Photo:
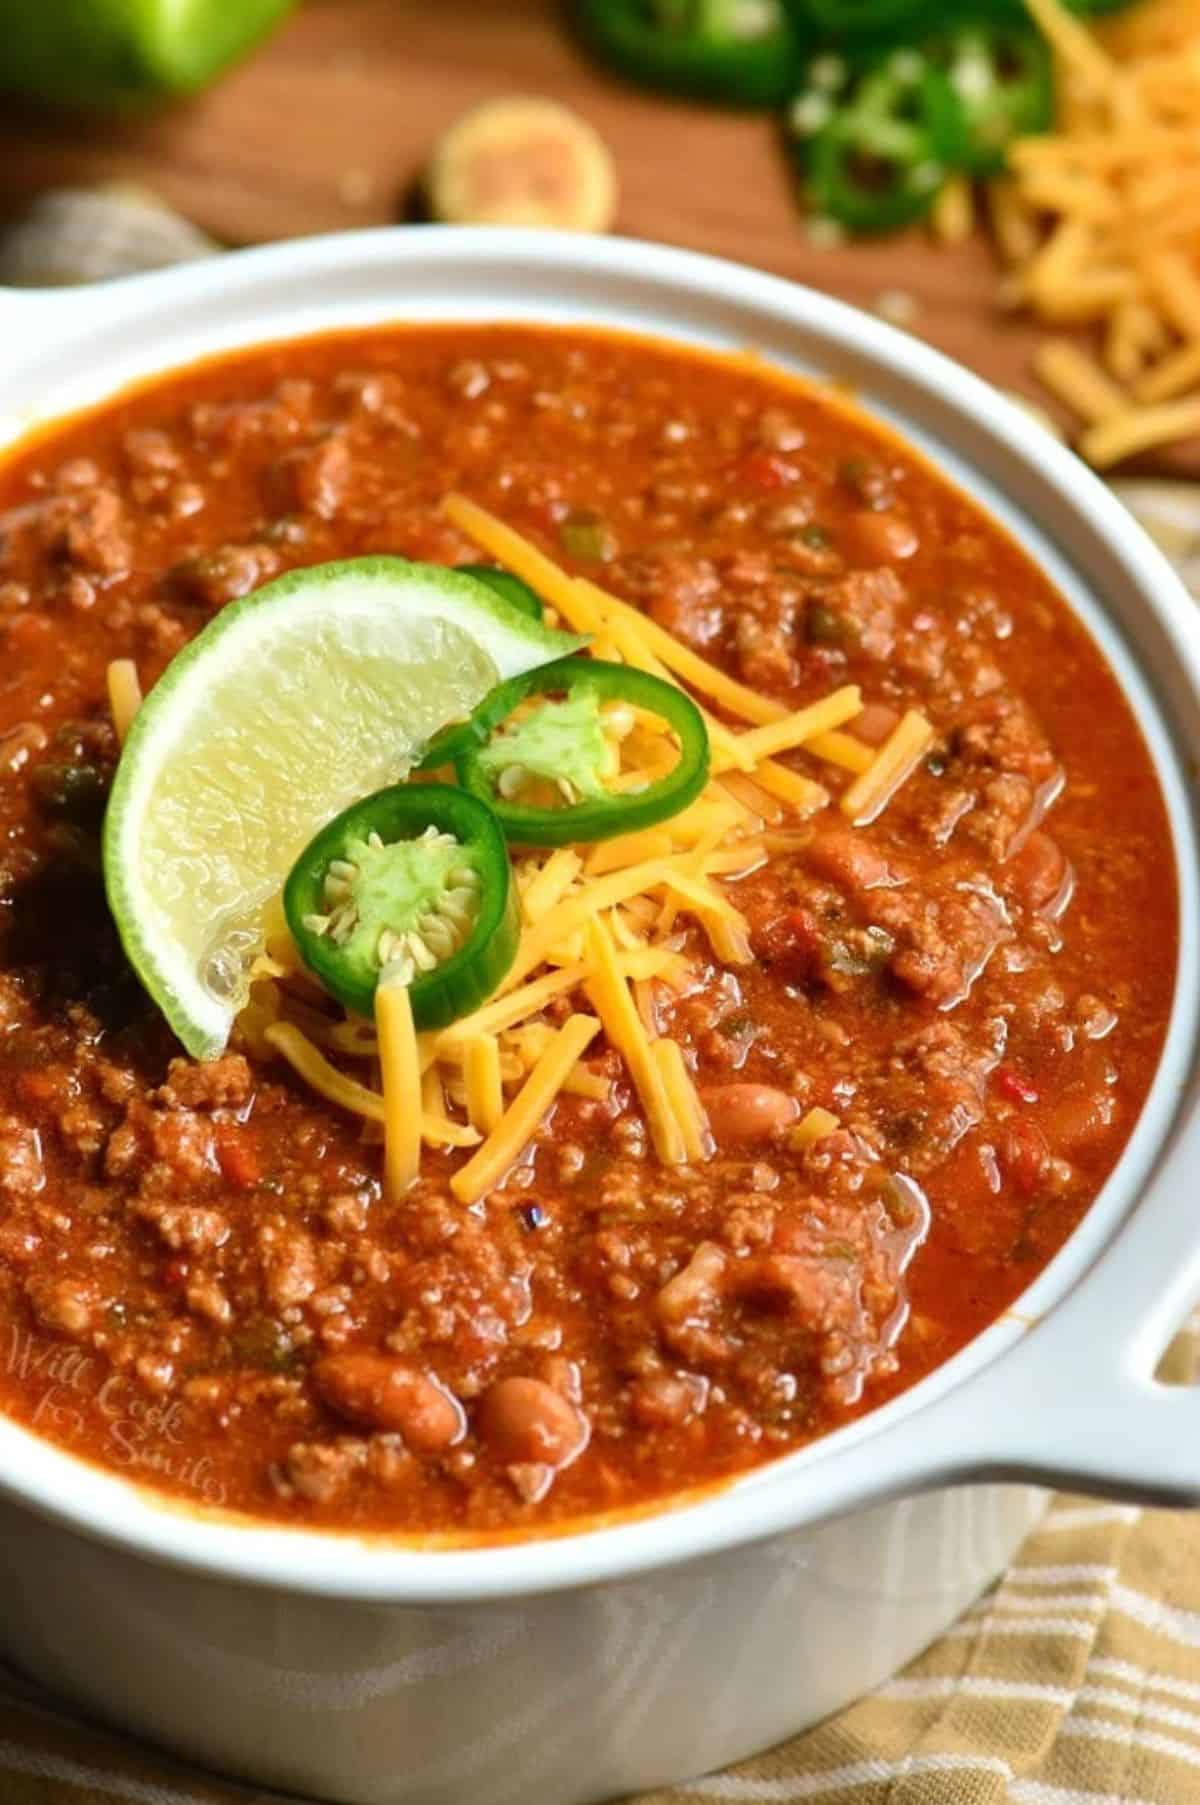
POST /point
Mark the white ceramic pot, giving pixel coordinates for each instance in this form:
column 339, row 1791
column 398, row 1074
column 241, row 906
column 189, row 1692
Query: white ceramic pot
column 592, row 1665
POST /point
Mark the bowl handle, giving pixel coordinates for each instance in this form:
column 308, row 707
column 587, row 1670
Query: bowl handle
column 1075, row 1402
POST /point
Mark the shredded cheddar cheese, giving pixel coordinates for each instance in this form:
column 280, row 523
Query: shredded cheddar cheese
column 124, row 695
column 813, row 1127
column 484, row 1088
column 1099, row 220
column 509, row 1138
column 953, row 214
column 839, row 748
column 400, row 1069
column 623, row 1025
column 792, row 730
column 894, row 763
column 601, row 920
column 357, row 1099
column 1078, row 379
column 551, row 883
column 684, row 1100
column 505, row 1011
column 629, row 849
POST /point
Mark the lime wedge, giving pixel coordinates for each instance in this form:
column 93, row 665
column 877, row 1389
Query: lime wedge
column 319, row 688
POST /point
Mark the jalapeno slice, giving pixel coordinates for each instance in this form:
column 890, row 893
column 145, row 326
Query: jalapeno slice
column 875, row 134
column 1002, row 77
column 857, row 18
column 415, row 881
column 741, row 52
column 563, row 743
column 454, row 738
column 507, row 587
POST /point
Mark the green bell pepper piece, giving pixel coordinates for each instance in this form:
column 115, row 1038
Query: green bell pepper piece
column 116, row 53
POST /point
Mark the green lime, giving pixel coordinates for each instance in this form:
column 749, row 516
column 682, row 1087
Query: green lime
column 114, row 52
column 317, row 689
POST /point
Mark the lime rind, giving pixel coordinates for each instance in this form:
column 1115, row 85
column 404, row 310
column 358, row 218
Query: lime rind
column 316, row 689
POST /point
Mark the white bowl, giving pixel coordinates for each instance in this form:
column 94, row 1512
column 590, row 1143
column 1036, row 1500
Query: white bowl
column 588, row 1665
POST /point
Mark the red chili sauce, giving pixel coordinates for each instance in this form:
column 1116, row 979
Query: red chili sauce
column 201, row 1284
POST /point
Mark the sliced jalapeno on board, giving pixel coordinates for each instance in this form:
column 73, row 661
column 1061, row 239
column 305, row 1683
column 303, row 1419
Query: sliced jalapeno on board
column 562, row 743
column 875, row 134
column 1002, row 76
column 414, row 880
column 741, row 52
column 857, row 18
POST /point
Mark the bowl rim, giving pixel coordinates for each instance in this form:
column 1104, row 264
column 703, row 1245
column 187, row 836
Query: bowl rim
column 803, row 1487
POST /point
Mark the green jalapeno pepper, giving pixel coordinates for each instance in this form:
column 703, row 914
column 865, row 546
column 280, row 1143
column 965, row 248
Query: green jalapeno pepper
column 857, row 18
column 446, row 744
column 741, row 52
column 1002, row 77
column 507, row 587
column 563, row 742
column 415, row 881
column 875, row 134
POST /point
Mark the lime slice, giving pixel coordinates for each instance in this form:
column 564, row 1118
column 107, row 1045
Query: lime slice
column 317, row 689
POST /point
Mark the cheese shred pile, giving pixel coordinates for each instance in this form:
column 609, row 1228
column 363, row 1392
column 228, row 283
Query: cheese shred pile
column 605, row 947
column 1099, row 223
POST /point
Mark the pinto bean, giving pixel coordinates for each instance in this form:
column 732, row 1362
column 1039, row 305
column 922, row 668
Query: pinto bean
column 748, row 1112
column 848, row 859
column 881, row 538
column 382, row 1393
column 696, row 1288
column 666, row 1400
column 526, row 1421
column 875, row 722
column 1077, row 1118
column 1039, row 871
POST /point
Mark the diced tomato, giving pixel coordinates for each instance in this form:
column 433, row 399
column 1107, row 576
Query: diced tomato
column 792, row 944
column 237, row 1159
column 1015, row 1086
column 766, row 470
column 175, row 1273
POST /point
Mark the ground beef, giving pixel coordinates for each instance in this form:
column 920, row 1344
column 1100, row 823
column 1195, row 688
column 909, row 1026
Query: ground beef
column 224, row 1083
column 87, row 531
column 856, row 612
column 217, row 577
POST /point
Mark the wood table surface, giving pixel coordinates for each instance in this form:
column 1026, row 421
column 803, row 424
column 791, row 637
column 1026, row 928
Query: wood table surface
column 329, row 127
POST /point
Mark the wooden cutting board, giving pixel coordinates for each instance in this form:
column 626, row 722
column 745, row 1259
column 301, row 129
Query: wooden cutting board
column 330, row 125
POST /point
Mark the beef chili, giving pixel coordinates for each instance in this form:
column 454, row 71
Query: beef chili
column 913, row 1077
